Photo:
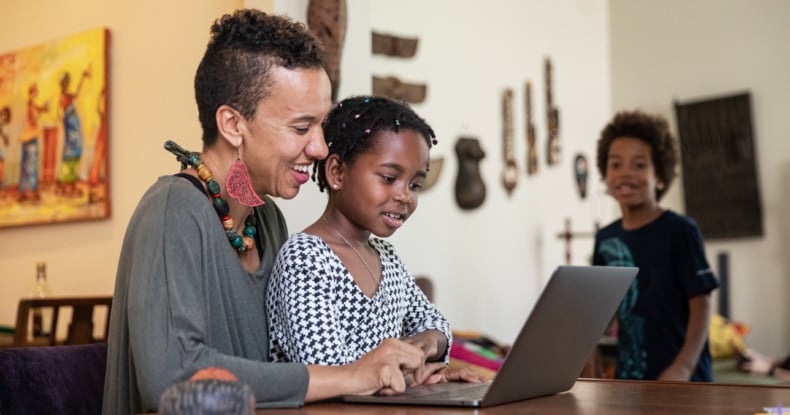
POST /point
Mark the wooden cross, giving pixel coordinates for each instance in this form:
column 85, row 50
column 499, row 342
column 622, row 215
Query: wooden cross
column 568, row 236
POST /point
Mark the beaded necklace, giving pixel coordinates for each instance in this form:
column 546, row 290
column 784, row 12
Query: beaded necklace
column 241, row 243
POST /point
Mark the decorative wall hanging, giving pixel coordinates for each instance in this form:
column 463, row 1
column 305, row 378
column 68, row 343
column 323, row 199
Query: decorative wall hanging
column 720, row 182
column 327, row 20
column 394, row 88
column 396, row 46
column 470, row 191
column 532, row 150
column 391, row 86
column 567, row 235
column 510, row 170
column 580, row 171
column 434, row 171
column 54, row 128
column 552, row 120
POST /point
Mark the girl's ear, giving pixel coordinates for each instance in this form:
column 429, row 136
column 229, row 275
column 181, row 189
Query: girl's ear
column 334, row 169
column 230, row 125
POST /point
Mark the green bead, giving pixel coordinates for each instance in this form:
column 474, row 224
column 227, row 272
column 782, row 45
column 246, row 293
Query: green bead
column 213, row 187
column 235, row 240
column 220, row 206
column 250, row 221
column 250, row 231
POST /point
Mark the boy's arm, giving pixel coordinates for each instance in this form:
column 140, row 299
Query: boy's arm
column 696, row 333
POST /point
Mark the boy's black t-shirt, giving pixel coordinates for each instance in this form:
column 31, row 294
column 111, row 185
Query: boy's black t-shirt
column 653, row 315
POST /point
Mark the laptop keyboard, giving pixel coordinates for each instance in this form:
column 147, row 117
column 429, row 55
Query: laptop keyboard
column 450, row 390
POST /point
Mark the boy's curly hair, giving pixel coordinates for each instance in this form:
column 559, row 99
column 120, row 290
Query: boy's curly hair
column 236, row 67
column 653, row 130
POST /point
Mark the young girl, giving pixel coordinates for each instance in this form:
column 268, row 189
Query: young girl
column 336, row 292
column 663, row 319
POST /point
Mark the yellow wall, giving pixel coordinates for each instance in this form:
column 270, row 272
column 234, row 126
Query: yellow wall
column 155, row 47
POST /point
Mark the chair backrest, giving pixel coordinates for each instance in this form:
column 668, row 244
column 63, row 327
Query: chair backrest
column 53, row 379
column 80, row 329
column 425, row 284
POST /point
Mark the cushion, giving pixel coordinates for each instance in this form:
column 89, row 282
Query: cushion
column 52, row 379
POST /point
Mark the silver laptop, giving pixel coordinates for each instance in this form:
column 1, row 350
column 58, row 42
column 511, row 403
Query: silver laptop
column 555, row 342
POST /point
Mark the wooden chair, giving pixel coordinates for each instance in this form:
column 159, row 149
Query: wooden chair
column 425, row 284
column 80, row 329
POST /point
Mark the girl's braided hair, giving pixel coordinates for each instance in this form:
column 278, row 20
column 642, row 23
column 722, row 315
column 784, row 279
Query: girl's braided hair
column 354, row 124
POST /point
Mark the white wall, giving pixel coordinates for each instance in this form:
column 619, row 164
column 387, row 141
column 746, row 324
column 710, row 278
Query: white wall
column 681, row 50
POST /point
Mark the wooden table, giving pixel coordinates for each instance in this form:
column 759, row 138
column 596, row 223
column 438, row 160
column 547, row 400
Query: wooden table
column 593, row 397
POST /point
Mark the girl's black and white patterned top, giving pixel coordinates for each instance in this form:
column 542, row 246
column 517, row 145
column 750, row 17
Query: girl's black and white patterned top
column 318, row 314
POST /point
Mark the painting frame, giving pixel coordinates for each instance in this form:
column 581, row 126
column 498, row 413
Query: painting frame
column 54, row 131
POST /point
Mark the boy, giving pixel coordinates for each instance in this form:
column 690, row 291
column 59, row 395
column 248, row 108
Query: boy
column 663, row 318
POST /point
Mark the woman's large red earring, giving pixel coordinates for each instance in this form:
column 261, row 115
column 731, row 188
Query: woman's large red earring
column 239, row 185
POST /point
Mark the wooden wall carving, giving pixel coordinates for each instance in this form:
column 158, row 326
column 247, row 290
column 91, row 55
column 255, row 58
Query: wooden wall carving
column 721, row 185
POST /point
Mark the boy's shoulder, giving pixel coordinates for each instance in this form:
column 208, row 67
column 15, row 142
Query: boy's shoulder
column 667, row 219
column 678, row 221
column 613, row 228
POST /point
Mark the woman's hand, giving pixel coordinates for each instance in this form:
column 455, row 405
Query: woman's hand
column 384, row 370
column 432, row 342
column 438, row 372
